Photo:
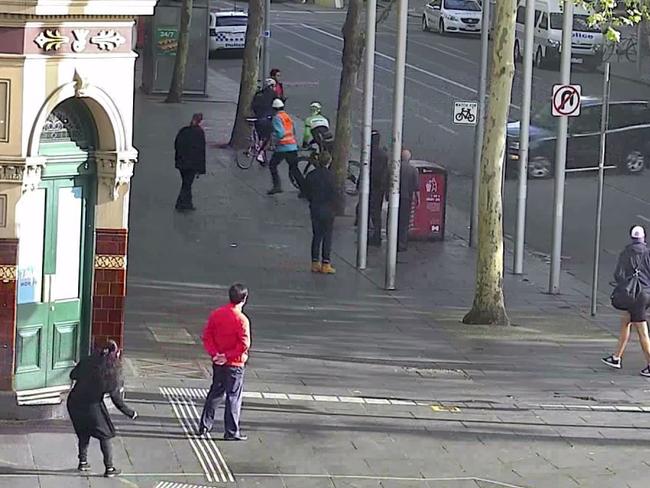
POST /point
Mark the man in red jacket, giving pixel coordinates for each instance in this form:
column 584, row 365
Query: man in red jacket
column 226, row 339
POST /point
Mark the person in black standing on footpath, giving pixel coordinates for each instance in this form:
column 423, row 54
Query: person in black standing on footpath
column 95, row 376
column 378, row 186
column 408, row 191
column 320, row 190
column 632, row 297
column 190, row 159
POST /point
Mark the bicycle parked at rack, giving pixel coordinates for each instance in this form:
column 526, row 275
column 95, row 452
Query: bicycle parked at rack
column 625, row 48
column 245, row 158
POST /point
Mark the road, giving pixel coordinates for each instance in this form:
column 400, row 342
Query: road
column 307, row 46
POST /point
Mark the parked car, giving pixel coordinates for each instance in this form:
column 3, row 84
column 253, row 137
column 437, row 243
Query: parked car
column 628, row 139
column 227, row 30
column 452, row 16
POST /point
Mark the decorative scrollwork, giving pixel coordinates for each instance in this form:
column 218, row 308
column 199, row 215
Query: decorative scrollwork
column 66, row 123
column 51, row 39
column 107, row 40
column 81, row 39
column 7, row 273
column 105, row 261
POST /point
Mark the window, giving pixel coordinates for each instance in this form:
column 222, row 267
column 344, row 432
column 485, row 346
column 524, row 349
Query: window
column 521, row 15
column 538, row 14
column 236, row 20
column 436, row 4
column 588, row 122
column 467, row 5
column 580, row 23
column 543, row 24
column 628, row 114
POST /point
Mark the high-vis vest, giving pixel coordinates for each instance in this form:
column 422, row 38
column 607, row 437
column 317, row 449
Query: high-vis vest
column 288, row 138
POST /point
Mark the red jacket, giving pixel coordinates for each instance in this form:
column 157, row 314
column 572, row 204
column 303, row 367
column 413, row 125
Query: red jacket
column 228, row 332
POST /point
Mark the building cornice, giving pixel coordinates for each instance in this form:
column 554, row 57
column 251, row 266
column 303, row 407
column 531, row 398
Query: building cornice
column 85, row 8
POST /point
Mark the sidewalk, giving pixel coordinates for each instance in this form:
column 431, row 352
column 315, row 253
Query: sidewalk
column 348, row 385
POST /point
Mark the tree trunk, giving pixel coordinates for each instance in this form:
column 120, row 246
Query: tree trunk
column 488, row 307
column 353, row 43
column 249, row 72
column 175, row 94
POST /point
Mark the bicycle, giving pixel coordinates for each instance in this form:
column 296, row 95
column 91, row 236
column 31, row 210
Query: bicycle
column 465, row 113
column 308, row 159
column 626, row 47
column 245, row 158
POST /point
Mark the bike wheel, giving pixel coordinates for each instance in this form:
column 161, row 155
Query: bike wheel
column 608, row 51
column 305, row 165
column 630, row 52
column 244, row 158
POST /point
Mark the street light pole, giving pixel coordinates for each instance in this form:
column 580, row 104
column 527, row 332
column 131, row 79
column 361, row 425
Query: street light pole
column 524, row 130
column 369, row 78
column 480, row 125
column 396, row 156
column 266, row 41
column 560, row 153
column 604, row 121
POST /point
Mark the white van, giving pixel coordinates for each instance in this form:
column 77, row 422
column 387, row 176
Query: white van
column 587, row 42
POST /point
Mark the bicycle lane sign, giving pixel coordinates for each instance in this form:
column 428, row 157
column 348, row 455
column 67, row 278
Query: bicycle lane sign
column 566, row 100
column 465, row 113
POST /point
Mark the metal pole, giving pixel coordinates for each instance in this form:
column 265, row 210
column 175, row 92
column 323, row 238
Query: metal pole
column 480, row 125
column 266, row 41
column 396, row 156
column 520, row 229
column 604, row 120
column 639, row 47
column 560, row 153
column 369, row 78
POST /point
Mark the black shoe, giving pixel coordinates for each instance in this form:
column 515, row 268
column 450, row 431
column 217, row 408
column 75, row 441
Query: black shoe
column 645, row 371
column 235, row 437
column 184, row 208
column 83, row 466
column 612, row 362
column 203, row 431
column 274, row 190
column 112, row 472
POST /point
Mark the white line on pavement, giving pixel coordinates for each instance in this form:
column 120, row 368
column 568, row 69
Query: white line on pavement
column 299, row 62
column 643, row 218
column 313, row 58
column 447, row 129
column 413, row 67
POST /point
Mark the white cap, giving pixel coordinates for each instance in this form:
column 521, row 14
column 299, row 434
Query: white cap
column 277, row 103
column 637, row 232
column 269, row 82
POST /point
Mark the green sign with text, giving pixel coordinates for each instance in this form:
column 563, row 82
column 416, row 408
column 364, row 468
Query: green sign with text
column 166, row 41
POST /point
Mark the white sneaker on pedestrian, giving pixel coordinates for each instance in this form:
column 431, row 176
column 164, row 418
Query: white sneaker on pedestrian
column 613, row 362
column 645, row 371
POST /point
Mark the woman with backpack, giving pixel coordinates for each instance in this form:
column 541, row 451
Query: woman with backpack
column 632, row 295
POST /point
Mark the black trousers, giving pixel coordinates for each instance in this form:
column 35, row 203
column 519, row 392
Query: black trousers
column 105, row 445
column 184, row 200
column 321, row 242
column 292, row 160
column 228, row 380
column 374, row 212
column 404, row 221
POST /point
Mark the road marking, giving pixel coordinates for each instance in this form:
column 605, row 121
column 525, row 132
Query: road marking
column 313, row 58
column 447, row 129
column 643, row 218
column 173, row 484
column 413, row 67
column 299, row 62
column 210, row 458
column 440, row 408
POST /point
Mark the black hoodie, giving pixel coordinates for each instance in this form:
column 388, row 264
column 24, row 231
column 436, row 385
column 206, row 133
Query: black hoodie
column 635, row 256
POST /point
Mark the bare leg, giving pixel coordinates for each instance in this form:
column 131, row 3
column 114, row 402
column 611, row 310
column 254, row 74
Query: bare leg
column 642, row 330
column 624, row 335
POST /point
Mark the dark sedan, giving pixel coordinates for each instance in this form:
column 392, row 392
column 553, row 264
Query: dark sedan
column 628, row 139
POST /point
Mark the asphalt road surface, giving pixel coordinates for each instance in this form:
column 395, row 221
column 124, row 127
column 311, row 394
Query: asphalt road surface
column 306, row 46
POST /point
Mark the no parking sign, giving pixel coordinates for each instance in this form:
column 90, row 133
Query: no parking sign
column 566, row 100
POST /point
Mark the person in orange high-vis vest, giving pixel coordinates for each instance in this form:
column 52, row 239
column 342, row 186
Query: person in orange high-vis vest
column 286, row 148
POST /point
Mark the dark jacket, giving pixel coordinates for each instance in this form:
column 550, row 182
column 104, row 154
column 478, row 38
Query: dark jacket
column 86, row 406
column 190, row 149
column 378, row 170
column 262, row 105
column 409, row 181
column 634, row 256
column 320, row 189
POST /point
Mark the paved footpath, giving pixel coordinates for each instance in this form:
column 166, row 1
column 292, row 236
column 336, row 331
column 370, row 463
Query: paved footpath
column 348, row 385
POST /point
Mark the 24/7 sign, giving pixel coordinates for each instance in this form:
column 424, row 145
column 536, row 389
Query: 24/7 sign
column 566, row 100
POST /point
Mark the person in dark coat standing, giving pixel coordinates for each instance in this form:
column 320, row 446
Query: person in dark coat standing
column 378, row 186
column 408, row 191
column 95, row 376
column 190, row 159
column 320, row 190
column 633, row 261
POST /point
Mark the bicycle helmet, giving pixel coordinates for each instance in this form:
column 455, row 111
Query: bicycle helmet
column 315, row 108
column 278, row 104
column 269, row 82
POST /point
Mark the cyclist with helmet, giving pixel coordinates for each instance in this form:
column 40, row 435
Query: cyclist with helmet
column 317, row 129
column 262, row 107
column 286, row 148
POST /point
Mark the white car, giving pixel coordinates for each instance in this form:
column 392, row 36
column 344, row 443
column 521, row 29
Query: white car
column 452, row 16
column 227, row 30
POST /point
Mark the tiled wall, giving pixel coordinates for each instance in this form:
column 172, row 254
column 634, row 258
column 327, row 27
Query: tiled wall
column 8, row 259
column 109, row 287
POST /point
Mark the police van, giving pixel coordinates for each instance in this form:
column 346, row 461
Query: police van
column 227, row 29
column 587, row 41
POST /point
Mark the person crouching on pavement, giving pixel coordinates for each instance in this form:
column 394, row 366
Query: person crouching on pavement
column 286, row 148
column 633, row 264
column 190, row 159
column 227, row 340
column 95, row 376
column 320, row 190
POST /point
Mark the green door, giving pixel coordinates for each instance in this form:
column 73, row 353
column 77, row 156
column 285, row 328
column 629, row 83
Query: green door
column 50, row 290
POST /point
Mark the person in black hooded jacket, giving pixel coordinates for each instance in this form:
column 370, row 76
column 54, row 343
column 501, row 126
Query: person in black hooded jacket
column 190, row 159
column 634, row 260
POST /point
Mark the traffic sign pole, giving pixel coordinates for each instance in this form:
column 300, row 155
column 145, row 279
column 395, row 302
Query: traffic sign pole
column 266, row 42
column 560, row 153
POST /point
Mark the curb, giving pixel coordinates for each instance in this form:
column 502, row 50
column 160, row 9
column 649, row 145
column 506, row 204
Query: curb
column 632, row 78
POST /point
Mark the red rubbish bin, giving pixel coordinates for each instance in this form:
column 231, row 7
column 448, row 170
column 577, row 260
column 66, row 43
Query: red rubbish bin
column 428, row 218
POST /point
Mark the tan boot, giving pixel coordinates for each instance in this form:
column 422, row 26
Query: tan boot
column 327, row 269
column 316, row 267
